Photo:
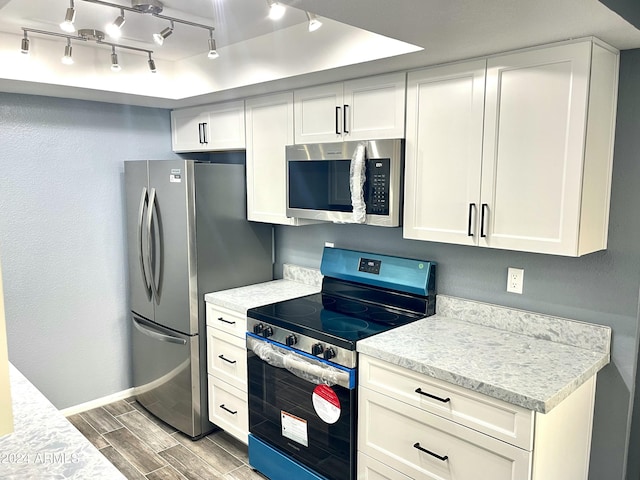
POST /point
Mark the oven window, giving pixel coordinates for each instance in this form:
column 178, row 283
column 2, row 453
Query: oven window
column 279, row 400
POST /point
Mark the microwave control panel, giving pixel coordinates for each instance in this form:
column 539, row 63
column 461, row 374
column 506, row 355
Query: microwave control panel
column 377, row 186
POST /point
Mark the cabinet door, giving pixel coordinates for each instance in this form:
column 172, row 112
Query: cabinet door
column 535, row 124
column 373, row 107
column 226, row 126
column 189, row 130
column 319, row 114
column 269, row 122
column 444, row 153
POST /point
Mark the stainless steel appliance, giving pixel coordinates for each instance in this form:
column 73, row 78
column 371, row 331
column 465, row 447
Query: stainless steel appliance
column 187, row 235
column 346, row 182
column 302, row 361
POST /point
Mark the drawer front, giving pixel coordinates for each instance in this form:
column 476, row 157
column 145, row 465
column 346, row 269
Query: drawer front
column 226, row 320
column 370, row 469
column 227, row 358
column 228, row 408
column 426, row 446
column 499, row 419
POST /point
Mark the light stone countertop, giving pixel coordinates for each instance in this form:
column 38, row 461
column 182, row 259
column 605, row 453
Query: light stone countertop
column 44, row 444
column 523, row 365
column 298, row 282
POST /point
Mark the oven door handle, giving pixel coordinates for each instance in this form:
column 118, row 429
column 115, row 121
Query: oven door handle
column 310, row 369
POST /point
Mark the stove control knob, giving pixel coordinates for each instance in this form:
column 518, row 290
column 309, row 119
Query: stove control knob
column 258, row 329
column 291, row 340
column 329, row 353
column 267, row 332
column 317, row 349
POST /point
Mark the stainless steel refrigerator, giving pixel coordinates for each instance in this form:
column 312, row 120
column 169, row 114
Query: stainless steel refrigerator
column 187, row 235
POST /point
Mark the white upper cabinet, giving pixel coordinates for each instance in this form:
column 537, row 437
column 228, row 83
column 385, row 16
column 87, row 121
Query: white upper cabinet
column 363, row 109
column 208, row 128
column 517, row 155
column 269, row 127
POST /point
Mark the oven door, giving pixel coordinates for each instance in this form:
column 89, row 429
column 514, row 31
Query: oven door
column 303, row 407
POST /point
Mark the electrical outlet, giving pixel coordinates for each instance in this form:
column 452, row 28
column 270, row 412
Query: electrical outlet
column 515, row 279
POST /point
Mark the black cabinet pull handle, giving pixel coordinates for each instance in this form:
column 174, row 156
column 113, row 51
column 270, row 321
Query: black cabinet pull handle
column 472, row 207
column 222, row 357
column 226, row 321
column 417, row 445
column 344, row 119
column 337, row 120
column 440, row 399
column 483, row 234
column 232, row 412
column 204, row 133
column 200, row 133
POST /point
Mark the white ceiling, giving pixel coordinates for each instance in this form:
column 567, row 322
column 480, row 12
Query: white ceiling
column 447, row 30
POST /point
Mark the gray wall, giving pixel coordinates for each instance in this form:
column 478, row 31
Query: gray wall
column 600, row 288
column 62, row 238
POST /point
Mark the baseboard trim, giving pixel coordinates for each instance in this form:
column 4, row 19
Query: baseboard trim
column 98, row 402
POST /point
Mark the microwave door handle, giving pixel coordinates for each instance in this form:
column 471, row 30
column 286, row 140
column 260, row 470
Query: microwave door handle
column 151, row 244
column 144, row 204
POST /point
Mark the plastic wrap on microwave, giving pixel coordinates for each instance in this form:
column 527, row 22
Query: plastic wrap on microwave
column 311, row 370
column 357, row 177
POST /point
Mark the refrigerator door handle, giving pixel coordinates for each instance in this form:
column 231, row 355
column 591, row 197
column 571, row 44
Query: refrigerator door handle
column 144, row 202
column 148, row 331
column 151, row 243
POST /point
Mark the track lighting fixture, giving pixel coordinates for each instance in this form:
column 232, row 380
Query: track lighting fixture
column 115, row 66
column 24, row 46
column 276, row 10
column 213, row 51
column 160, row 37
column 70, row 17
column 114, row 30
column 152, row 64
column 314, row 23
column 67, row 59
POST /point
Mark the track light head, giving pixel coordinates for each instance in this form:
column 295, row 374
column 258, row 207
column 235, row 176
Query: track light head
column 115, row 66
column 276, row 10
column 114, row 30
column 67, row 59
column 314, row 23
column 152, row 64
column 160, row 37
column 24, row 46
column 213, row 51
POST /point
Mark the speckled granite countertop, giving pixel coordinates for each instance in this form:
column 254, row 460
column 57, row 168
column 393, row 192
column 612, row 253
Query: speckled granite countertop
column 297, row 282
column 44, row 445
column 534, row 361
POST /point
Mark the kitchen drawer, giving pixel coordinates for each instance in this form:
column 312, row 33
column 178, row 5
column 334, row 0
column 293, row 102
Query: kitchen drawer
column 399, row 435
column 494, row 417
column 228, row 409
column 370, row 469
column 227, row 358
column 226, row 320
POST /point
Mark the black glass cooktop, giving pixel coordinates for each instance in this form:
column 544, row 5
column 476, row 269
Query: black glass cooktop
column 333, row 319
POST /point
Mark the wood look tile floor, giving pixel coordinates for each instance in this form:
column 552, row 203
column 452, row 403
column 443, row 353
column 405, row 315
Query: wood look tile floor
column 145, row 448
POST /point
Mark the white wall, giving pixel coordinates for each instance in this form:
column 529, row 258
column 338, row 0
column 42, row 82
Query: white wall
column 6, row 413
column 62, row 238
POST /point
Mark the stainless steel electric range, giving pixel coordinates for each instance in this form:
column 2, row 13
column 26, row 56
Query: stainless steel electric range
column 302, row 361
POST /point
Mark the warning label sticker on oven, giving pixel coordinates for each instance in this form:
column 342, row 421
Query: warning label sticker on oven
column 326, row 403
column 294, row 428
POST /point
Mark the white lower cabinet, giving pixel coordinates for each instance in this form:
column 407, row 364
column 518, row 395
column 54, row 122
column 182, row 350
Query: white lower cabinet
column 227, row 371
column 420, row 428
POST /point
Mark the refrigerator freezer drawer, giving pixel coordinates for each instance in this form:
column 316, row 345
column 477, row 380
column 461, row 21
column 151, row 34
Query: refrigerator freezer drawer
column 166, row 375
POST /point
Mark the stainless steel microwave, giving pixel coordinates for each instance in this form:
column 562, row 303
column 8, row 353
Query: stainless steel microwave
column 321, row 182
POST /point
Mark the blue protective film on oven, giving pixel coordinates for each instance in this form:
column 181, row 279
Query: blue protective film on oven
column 350, row 371
column 277, row 465
column 385, row 271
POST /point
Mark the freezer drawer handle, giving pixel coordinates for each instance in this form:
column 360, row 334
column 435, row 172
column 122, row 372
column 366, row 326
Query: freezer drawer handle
column 222, row 357
column 232, row 412
column 440, row 399
column 417, row 445
column 222, row 319
column 157, row 335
